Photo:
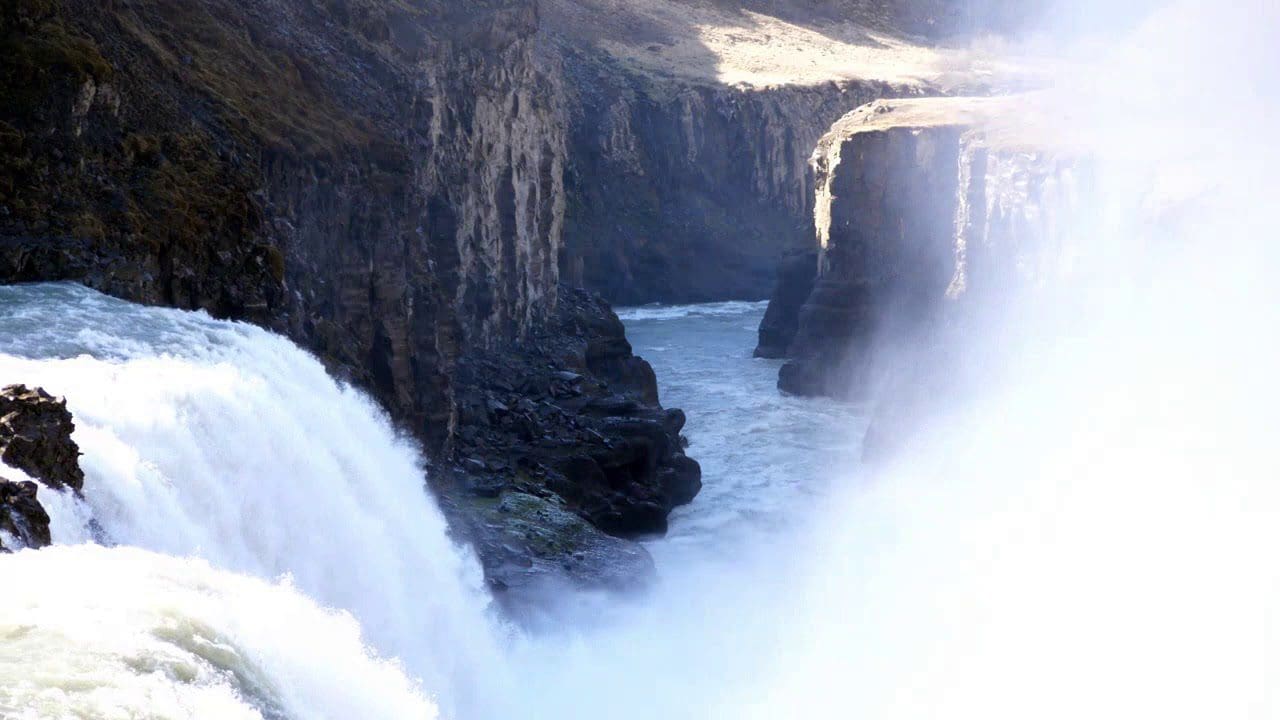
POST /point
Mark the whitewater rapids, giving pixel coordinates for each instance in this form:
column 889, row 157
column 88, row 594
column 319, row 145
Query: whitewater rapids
column 222, row 441
column 118, row 633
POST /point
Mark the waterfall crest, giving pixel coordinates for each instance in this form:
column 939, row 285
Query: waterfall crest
column 222, row 441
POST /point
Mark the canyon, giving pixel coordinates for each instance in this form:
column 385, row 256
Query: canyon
column 314, row 401
column 415, row 191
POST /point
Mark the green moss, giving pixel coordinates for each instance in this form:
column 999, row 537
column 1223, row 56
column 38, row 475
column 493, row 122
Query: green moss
column 188, row 196
column 88, row 226
column 274, row 260
column 40, row 60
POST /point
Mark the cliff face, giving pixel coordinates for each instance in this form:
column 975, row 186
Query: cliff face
column 921, row 207
column 691, row 193
column 691, row 125
column 328, row 171
column 382, row 182
column 883, row 226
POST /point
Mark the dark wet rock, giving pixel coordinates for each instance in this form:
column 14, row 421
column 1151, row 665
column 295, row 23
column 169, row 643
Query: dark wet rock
column 35, row 437
column 796, row 274
column 22, row 517
column 607, row 451
column 559, row 484
column 528, row 544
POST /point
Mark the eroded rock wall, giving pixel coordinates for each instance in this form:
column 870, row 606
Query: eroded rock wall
column 328, row 170
column 920, row 212
column 687, row 192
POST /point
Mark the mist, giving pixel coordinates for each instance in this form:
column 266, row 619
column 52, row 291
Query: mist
column 1090, row 533
column 1088, row 529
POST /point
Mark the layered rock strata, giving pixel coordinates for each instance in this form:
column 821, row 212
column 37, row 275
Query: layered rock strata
column 692, row 121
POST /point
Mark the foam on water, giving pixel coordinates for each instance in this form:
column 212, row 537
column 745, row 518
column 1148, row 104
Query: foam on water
column 115, row 633
column 671, row 312
column 220, row 440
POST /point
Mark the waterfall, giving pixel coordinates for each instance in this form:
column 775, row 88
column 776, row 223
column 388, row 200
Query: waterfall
column 1089, row 533
column 222, row 441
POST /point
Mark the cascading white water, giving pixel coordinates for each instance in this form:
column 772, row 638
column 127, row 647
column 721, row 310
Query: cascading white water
column 116, row 633
column 222, row 441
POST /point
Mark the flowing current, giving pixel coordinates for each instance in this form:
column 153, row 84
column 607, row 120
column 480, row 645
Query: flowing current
column 221, row 441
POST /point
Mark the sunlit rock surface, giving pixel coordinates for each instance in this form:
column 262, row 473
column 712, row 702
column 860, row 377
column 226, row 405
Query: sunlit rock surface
column 691, row 124
column 920, row 205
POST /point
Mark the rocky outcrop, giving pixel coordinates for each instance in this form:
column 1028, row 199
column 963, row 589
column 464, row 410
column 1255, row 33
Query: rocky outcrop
column 883, row 215
column 922, row 206
column 565, row 422
column 572, row 412
column 35, row 437
column 796, row 275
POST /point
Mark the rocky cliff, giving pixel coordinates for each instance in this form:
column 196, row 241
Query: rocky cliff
column 325, row 170
column 690, row 194
column 921, row 207
column 383, row 182
column 691, row 125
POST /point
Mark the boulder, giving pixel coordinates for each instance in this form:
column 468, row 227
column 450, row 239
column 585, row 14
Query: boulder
column 529, row 544
column 35, row 437
column 22, row 519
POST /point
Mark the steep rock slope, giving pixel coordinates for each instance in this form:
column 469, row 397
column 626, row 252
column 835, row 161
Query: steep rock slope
column 691, row 124
column 326, row 170
column 381, row 181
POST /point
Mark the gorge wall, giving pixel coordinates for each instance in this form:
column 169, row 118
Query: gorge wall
column 326, row 171
column 922, row 208
column 691, row 125
column 690, row 193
